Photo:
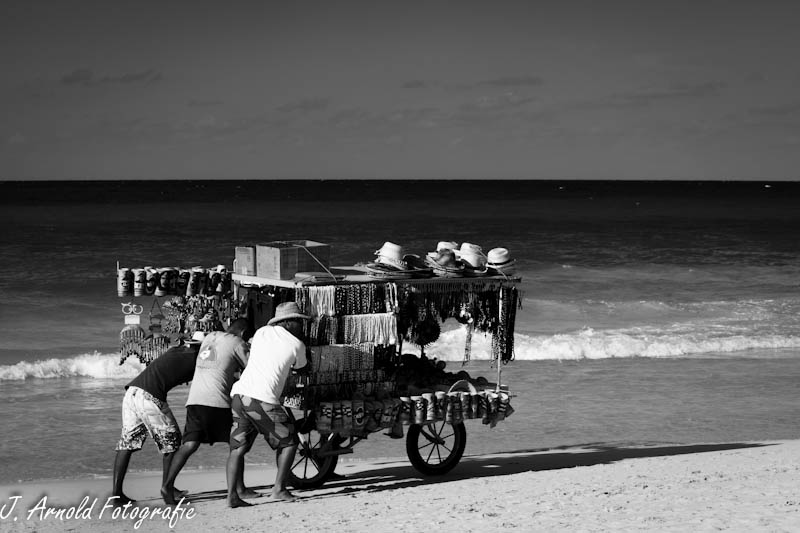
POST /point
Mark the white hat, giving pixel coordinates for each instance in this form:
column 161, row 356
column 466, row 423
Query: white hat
column 469, row 247
column 391, row 255
column 446, row 245
column 474, row 263
column 500, row 260
column 197, row 337
column 474, row 259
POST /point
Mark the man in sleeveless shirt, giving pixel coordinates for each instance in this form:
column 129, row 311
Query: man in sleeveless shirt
column 145, row 411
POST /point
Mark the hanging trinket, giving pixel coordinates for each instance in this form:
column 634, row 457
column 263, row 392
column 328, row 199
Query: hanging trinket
column 132, row 335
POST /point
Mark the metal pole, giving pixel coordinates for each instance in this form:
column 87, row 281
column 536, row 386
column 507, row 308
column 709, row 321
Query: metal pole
column 499, row 314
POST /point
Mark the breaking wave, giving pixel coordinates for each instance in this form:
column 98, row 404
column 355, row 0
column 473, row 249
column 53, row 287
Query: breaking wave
column 589, row 343
column 94, row 365
column 677, row 340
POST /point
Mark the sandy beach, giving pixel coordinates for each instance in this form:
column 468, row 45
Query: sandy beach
column 703, row 487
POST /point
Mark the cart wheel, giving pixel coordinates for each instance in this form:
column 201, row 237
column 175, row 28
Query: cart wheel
column 309, row 471
column 436, row 447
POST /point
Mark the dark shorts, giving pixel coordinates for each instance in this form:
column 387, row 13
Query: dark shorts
column 207, row 425
column 251, row 417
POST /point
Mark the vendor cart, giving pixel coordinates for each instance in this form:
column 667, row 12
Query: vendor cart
column 361, row 382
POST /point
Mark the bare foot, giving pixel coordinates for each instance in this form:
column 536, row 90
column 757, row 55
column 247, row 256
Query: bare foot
column 284, row 495
column 180, row 493
column 168, row 496
column 236, row 501
column 122, row 499
column 249, row 493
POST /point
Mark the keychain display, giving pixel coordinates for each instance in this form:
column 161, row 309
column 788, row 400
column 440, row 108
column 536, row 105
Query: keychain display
column 132, row 335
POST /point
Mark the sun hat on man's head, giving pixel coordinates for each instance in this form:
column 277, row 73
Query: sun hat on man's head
column 287, row 311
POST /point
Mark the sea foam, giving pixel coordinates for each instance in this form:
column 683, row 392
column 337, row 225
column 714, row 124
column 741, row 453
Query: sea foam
column 590, row 343
column 95, row 365
column 586, row 343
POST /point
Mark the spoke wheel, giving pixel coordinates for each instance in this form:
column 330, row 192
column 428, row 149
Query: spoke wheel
column 436, row 447
column 309, row 470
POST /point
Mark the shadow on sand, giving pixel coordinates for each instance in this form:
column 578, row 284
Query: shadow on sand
column 391, row 475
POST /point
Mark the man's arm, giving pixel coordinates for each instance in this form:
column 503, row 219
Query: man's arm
column 305, row 367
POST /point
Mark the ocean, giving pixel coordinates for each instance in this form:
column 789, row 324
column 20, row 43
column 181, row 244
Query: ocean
column 652, row 312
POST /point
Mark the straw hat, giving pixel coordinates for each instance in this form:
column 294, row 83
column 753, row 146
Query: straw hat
column 391, row 255
column 445, row 263
column 474, row 262
column 287, row 311
column 499, row 260
column 442, row 246
column 469, row 247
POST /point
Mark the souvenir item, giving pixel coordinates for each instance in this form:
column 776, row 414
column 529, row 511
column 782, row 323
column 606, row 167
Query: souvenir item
column 172, row 281
column 152, row 280
column 419, row 410
column 337, row 424
column 130, row 339
column 390, row 255
column 359, row 418
column 430, row 406
column 499, row 262
column 444, row 264
column 184, row 274
column 474, row 262
column 405, row 409
column 139, row 282
column 441, row 405
column 163, row 281
column 347, row 416
column 124, row 282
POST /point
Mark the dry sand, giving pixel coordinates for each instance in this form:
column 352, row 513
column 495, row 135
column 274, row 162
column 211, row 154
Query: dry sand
column 703, row 487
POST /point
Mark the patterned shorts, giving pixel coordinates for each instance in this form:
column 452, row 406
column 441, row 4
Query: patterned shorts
column 251, row 417
column 144, row 414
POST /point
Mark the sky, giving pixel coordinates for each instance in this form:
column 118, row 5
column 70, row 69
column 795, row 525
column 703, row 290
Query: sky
column 540, row 89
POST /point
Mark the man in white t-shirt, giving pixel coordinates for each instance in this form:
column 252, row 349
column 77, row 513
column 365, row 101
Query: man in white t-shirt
column 276, row 349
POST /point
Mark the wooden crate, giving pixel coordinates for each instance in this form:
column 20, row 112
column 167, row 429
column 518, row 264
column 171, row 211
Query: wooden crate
column 245, row 263
column 284, row 259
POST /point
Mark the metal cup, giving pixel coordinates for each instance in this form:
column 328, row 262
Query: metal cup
column 183, row 281
column 419, row 413
column 162, row 282
column 441, row 405
column 139, row 281
column 430, row 406
column 324, row 417
column 457, row 414
column 336, row 417
column 405, row 410
column 151, row 280
column 347, row 417
column 466, row 404
column 358, row 415
column 124, row 282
